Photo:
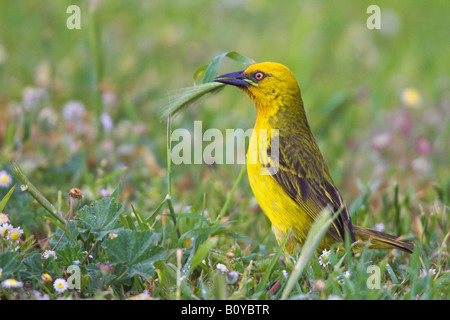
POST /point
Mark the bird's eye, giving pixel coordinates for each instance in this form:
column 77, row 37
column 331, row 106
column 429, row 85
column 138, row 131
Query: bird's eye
column 258, row 75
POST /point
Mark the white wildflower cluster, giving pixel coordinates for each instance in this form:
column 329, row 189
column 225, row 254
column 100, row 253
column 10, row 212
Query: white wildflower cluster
column 8, row 232
column 10, row 236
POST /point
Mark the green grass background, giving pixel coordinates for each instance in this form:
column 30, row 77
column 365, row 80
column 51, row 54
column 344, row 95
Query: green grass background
column 139, row 51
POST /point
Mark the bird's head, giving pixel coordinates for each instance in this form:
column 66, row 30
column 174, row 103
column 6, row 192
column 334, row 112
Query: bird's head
column 265, row 83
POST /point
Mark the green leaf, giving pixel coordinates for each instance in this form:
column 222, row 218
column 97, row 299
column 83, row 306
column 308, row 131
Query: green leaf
column 33, row 264
column 199, row 72
column 136, row 250
column 72, row 228
column 102, row 217
column 69, row 254
column 202, row 252
column 6, row 198
column 10, row 264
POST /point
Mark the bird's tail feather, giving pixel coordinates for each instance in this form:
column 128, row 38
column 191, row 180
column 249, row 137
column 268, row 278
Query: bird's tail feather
column 380, row 240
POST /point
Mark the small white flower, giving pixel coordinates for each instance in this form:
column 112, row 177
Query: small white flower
column 15, row 234
column 12, row 283
column 285, row 274
column 49, row 253
column 5, row 179
column 221, row 267
column 60, row 285
column 3, row 218
column 324, row 258
column 5, row 229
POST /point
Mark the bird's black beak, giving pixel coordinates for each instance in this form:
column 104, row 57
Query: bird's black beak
column 237, row 79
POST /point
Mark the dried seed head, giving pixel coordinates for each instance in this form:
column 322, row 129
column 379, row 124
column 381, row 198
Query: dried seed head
column 75, row 193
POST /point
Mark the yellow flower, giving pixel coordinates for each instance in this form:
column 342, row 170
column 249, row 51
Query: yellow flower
column 46, row 277
column 411, row 98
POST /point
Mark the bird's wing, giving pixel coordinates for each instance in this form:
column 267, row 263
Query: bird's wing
column 304, row 176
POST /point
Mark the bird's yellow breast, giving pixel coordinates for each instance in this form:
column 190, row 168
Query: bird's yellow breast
column 282, row 211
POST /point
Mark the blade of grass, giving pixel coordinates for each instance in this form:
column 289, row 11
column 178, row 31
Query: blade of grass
column 169, row 177
column 6, row 198
column 438, row 263
column 140, row 221
column 155, row 213
column 202, row 252
column 31, row 189
column 272, row 263
column 230, row 196
column 312, row 242
column 182, row 98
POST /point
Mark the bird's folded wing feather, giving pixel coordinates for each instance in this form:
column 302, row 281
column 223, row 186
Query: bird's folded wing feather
column 303, row 175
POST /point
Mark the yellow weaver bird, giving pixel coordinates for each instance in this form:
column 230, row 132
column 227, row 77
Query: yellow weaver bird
column 295, row 185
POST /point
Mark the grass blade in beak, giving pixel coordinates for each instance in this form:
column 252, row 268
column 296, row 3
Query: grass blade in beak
column 180, row 99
